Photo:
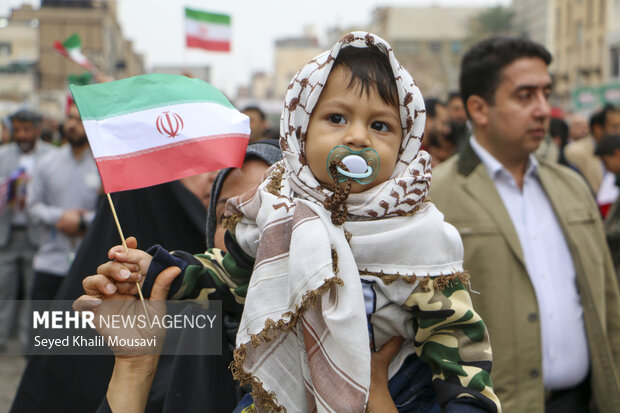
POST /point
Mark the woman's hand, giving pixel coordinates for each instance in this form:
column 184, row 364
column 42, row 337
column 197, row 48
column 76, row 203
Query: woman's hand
column 134, row 369
column 120, row 305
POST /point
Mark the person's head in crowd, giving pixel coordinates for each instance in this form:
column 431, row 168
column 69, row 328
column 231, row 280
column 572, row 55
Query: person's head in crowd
column 231, row 182
column 605, row 122
column 578, row 127
column 437, row 121
column 74, row 128
column 505, row 84
column 258, row 123
column 609, row 151
column 47, row 135
column 456, row 108
column 26, row 126
column 559, row 131
column 436, row 129
column 49, row 130
column 443, row 147
column 200, row 185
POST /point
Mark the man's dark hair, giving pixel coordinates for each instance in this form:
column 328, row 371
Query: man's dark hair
column 454, row 95
column 608, row 145
column 370, row 67
column 431, row 106
column 599, row 118
column 483, row 62
column 25, row 115
column 559, row 128
column 255, row 109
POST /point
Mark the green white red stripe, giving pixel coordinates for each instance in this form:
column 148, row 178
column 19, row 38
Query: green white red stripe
column 72, row 49
column 209, row 31
column 155, row 128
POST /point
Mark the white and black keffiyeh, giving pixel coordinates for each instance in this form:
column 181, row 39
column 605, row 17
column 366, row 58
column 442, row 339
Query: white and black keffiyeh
column 303, row 338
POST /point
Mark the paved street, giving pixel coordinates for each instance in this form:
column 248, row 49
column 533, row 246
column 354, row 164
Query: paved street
column 11, row 368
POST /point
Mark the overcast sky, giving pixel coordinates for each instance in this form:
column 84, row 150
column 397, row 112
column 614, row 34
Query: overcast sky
column 156, row 28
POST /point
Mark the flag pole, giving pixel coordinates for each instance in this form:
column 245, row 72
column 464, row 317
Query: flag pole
column 120, row 232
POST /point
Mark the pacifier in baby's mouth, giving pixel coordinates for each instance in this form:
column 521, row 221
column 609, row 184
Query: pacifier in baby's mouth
column 360, row 166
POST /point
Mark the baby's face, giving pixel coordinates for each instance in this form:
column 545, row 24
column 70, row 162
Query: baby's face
column 344, row 117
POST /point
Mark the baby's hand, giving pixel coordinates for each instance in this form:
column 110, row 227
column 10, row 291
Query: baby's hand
column 135, row 260
column 121, row 274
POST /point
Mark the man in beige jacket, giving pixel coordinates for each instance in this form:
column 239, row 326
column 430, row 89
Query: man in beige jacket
column 580, row 153
column 534, row 242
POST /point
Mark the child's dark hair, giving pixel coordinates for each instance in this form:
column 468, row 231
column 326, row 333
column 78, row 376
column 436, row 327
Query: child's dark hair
column 371, row 68
column 482, row 64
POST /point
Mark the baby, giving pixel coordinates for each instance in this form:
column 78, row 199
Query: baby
column 339, row 244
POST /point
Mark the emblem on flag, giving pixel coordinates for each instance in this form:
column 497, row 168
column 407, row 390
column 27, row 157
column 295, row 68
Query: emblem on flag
column 169, row 123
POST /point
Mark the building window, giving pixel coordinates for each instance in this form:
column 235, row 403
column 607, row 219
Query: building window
column 434, row 47
column 601, row 10
column 456, row 47
column 615, row 61
column 5, row 49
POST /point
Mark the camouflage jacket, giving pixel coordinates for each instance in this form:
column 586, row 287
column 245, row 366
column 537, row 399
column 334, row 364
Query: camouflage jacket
column 449, row 335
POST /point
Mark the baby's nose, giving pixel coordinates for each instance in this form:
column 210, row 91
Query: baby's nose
column 357, row 136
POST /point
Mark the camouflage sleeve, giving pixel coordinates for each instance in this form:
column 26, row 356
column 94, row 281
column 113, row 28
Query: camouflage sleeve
column 217, row 275
column 212, row 275
column 452, row 338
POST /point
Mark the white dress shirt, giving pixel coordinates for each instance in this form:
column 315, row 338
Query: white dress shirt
column 549, row 263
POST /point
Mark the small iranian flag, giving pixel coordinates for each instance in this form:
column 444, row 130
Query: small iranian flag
column 150, row 129
column 72, row 49
column 210, row 31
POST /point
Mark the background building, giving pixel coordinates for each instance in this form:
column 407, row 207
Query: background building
column 429, row 42
column 19, row 53
column 580, row 52
column 38, row 73
column 533, row 20
column 292, row 54
column 613, row 41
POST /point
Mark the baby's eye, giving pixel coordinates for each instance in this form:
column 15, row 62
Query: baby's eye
column 380, row 126
column 336, row 118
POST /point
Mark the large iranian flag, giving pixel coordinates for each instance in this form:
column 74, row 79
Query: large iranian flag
column 209, row 31
column 150, row 129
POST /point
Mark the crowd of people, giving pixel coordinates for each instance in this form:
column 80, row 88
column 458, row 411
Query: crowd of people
column 492, row 286
column 48, row 198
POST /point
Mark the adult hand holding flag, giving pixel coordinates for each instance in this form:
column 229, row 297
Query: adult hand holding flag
column 150, row 129
column 71, row 48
